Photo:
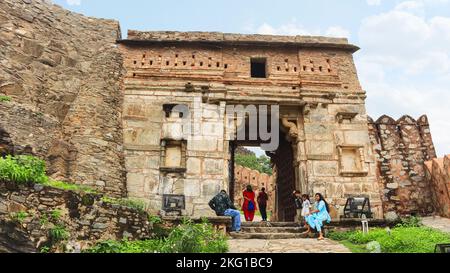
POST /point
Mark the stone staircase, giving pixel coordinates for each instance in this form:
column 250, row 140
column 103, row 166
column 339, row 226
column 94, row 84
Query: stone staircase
column 270, row 231
column 289, row 230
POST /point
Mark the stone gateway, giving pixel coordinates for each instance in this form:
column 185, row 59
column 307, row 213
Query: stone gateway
column 113, row 113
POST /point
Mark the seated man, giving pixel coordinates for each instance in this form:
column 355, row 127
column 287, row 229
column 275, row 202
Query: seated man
column 223, row 206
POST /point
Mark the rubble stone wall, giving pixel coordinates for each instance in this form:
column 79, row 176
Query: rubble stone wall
column 85, row 216
column 401, row 148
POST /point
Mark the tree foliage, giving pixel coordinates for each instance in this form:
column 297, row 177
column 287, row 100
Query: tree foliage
column 251, row 161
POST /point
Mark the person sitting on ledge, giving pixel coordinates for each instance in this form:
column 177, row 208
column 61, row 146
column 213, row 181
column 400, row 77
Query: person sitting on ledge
column 222, row 205
column 317, row 216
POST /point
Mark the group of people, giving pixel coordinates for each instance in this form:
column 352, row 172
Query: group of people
column 312, row 216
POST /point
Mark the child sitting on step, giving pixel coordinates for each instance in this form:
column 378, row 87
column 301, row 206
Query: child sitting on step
column 306, row 206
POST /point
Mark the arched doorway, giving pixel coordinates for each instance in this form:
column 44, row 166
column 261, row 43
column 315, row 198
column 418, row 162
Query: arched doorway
column 284, row 177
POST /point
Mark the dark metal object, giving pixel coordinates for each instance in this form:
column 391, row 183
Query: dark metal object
column 174, row 203
column 356, row 207
column 442, row 248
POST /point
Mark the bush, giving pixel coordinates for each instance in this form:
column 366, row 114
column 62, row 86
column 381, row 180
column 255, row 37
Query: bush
column 23, row 169
column 58, row 233
column 20, row 216
column 410, row 222
column 5, row 98
column 185, row 238
column 195, row 238
column 110, row 246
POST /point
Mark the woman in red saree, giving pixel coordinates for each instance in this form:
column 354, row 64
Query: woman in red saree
column 249, row 205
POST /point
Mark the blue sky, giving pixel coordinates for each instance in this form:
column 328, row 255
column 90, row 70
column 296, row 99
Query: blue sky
column 404, row 63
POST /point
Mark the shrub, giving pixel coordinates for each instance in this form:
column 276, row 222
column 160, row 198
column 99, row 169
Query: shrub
column 110, row 246
column 19, row 216
column 5, row 98
column 412, row 221
column 58, row 233
column 185, row 238
column 23, row 169
column 195, row 238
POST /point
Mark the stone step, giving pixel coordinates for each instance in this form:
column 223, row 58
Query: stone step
column 270, row 224
column 270, row 236
column 273, row 229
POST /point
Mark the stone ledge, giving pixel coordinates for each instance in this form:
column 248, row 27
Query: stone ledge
column 135, row 36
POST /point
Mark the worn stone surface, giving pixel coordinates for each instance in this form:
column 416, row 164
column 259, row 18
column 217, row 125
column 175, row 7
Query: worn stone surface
column 286, row 246
column 436, row 222
column 62, row 71
column 438, row 175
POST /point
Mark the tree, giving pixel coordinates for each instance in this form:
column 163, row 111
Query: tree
column 261, row 164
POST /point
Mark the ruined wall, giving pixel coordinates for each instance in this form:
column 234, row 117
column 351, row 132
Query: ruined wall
column 401, row 148
column 438, row 175
column 63, row 73
column 84, row 216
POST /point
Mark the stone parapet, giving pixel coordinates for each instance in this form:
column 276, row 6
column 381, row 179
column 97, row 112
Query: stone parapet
column 401, row 148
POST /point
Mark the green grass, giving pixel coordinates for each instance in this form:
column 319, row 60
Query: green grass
column 401, row 239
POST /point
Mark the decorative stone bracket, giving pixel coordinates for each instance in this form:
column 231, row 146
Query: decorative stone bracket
column 293, row 130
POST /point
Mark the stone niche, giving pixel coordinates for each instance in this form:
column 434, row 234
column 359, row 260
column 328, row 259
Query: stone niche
column 173, row 156
column 352, row 161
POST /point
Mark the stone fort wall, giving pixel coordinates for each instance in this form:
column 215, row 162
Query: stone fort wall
column 401, row 148
column 63, row 73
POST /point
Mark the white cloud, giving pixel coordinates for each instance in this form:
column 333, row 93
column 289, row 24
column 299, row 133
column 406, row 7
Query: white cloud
column 405, row 66
column 73, row 2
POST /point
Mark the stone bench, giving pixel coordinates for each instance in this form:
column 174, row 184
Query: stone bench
column 220, row 223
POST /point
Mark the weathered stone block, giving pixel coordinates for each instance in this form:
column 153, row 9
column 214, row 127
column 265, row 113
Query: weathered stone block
column 325, row 168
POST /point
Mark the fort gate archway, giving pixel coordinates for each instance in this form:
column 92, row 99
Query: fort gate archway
column 313, row 80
